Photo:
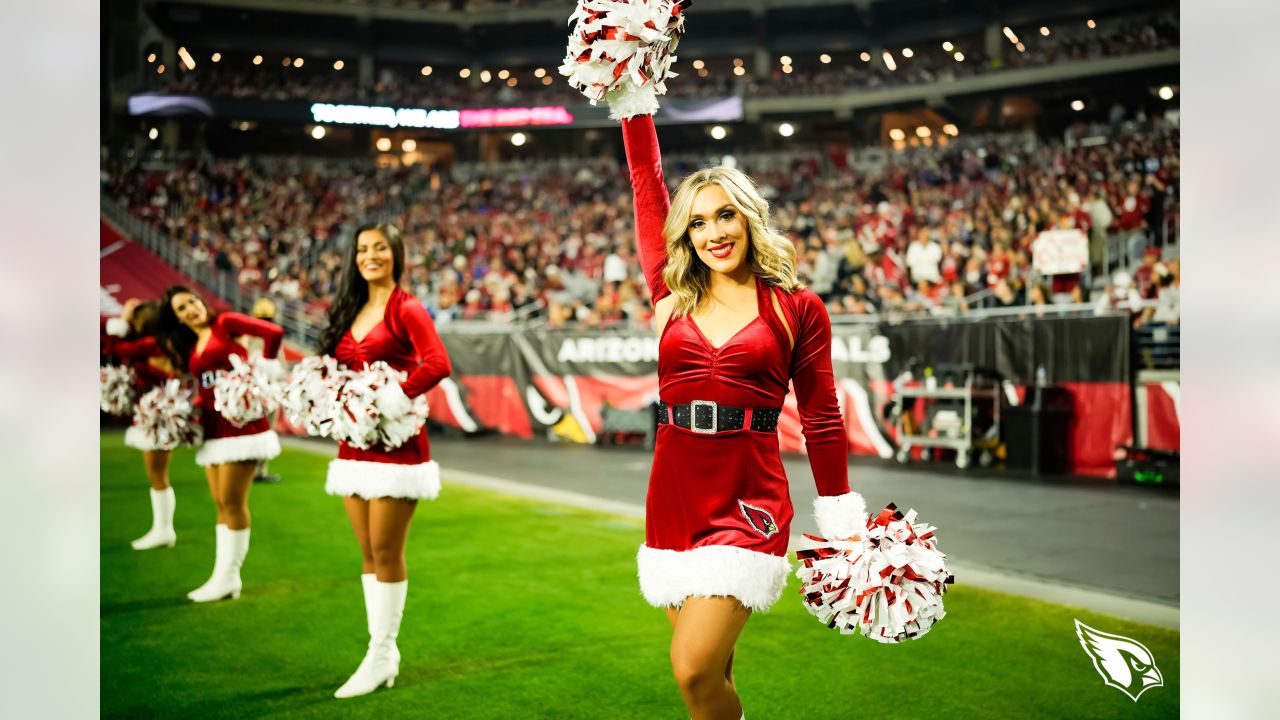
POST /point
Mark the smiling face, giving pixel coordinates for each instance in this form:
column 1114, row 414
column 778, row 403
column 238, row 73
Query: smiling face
column 374, row 258
column 190, row 310
column 718, row 231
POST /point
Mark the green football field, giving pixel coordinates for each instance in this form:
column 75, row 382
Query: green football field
column 521, row 609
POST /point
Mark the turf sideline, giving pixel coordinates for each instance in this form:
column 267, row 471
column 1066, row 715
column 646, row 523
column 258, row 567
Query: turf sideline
column 1122, row 606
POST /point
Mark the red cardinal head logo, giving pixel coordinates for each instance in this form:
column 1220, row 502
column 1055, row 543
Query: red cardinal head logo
column 759, row 519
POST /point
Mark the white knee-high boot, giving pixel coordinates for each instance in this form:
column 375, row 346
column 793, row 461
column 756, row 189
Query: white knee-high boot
column 161, row 532
column 232, row 547
column 381, row 664
column 369, row 581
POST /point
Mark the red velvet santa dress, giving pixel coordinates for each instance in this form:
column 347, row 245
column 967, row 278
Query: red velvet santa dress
column 406, row 340
column 224, row 442
column 121, row 345
column 718, row 513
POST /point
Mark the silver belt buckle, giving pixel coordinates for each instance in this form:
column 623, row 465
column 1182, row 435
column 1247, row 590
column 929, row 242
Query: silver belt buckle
column 693, row 416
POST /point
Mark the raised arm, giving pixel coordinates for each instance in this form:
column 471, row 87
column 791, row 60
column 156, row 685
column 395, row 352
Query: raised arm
column 649, row 192
column 433, row 361
column 236, row 325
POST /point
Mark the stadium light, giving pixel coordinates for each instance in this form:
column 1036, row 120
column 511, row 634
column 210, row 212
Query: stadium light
column 951, row 129
column 519, row 139
column 786, row 130
column 702, row 72
column 485, row 76
column 546, row 80
column 159, row 69
column 297, row 62
column 464, row 73
column 511, row 82
column 907, row 52
column 383, row 144
column 153, row 133
column 257, row 59
column 737, row 62
column 286, row 62
column 187, row 61
column 889, row 61
column 1008, row 32
column 151, row 58
column 1077, row 105
column 923, row 131
column 866, row 56
column 959, row 56
column 718, row 132
column 1165, row 92
column 216, row 57
column 1092, row 24
column 539, row 73
column 785, row 59
column 824, row 58
column 948, row 46
column 426, row 70
column 740, row 71
column 897, row 134
column 317, row 132
column 504, row 74
column 698, row 64
column 786, row 69
column 1044, row 31
column 409, row 145
column 1021, row 48
column 338, row 64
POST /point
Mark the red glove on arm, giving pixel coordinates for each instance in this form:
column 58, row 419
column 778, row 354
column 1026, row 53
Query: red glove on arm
column 649, row 192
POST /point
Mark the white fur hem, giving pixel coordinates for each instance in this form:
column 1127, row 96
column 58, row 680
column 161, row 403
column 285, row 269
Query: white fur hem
column 259, row 446
column 135, row 438
column 840, row 516
column 371, row 480
column 668, row 577
column 119, row 327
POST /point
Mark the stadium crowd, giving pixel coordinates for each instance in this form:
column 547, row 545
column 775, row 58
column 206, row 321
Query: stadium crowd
column 405, row 86
column 936, row 229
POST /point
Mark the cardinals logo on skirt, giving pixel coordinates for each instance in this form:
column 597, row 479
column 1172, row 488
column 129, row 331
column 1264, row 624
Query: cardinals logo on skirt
column 759, row 519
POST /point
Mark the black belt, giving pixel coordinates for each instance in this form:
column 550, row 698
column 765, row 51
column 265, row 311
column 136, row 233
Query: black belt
column 705, row 416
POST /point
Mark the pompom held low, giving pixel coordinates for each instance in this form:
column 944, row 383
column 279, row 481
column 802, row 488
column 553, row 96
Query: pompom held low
column 883, row 578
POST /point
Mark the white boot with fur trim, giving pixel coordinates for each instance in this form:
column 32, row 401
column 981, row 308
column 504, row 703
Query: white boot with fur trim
column 161, row 533
column 381, row 664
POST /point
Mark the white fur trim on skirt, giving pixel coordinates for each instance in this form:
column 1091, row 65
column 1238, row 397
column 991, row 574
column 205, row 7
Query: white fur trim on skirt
column 369, row 480
column 135, row 438
column 668, row 577
column 258, row 446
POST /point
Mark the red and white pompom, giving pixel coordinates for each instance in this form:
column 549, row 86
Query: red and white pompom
column 117, row 385
column 167, row 417
column 883, row 578
column 247, row 392
column 310, row 397
column 373, row 409
column 621, row 51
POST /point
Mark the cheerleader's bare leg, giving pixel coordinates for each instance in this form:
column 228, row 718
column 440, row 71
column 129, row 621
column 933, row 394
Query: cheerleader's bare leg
column 382, row 526
column 705, row 632
column 358, row 512
column 229, row 484
column 161, row 534
column 673, row 615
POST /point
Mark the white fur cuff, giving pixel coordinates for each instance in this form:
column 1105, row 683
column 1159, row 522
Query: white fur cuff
column 668, row 577
column 259, row 446
column 118, row 327
column 371, row 480
column 840, row 516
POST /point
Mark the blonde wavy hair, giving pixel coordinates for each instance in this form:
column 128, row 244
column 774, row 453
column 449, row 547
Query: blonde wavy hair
column 770, row 255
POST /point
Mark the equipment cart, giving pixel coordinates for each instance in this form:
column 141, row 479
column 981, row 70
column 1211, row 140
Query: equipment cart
column 955, row 417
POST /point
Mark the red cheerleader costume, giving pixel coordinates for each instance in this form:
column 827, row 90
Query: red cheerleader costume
column 406, row 340
column 718, row 512
column 224, row 442
column 136, row 352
